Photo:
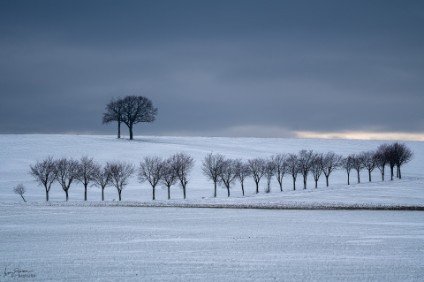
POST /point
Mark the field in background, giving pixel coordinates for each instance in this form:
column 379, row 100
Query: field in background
column 71, row 243
column 17, row 152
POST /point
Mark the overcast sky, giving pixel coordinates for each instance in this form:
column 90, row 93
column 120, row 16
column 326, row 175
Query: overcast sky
column 214, row 68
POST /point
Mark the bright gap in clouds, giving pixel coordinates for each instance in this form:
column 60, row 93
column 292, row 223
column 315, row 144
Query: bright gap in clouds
column 362, row 135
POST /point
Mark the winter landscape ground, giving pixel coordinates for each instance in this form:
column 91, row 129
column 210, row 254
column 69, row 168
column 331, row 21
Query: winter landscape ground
column 139, row 239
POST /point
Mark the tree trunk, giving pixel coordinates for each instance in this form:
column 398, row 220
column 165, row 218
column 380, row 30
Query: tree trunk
column 214, row 189
column 242, row 188
column 369, row 175
column 169, row 192
column 154, row 193
column 348, row 178
column 119, row 194
column 47, row 195
column 304, row 182
column 391, row 172
column 103, row 194
column 316, row 183
column 359, row 176
column 326, row 179
column 85, row 192
column 66, row 193
column 228, row 191
column 399, row 173
column 119, row 129
column 382, row 175
column 184, row 191
column 257, row 187
column 130, row 127
column 23, row 198
column 294, row 184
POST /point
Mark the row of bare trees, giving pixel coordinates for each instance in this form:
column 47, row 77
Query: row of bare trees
column 392, row 155
column 225, row 172
column 220, row 170
column 86, row 171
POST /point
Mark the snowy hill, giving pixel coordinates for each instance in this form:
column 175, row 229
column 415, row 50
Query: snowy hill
column 17, row 152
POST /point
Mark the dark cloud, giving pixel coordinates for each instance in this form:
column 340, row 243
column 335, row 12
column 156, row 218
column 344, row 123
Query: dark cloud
column 259, row 68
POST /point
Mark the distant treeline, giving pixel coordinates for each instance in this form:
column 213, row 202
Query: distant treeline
column 217, row 168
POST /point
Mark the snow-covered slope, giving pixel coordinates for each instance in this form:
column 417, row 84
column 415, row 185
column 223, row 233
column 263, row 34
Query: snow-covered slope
column 17, row 152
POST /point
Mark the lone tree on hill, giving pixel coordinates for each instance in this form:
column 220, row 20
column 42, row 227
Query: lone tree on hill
column 130, row 111
column 114, row 112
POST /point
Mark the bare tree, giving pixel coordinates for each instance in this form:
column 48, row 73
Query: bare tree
column 270, row 168
column 391, row 159
column 20, row 190
column 88, row 170
column 280, row 164
column 381, row 158
column 169, row 176
column 257, row 170
column 183, row 164
column 212, row 167
column 67, row 173
column 347, row 164
column 305, row 161
column 45, row 173
column 331, row 162
column 137, row 109
column 403, row 155
column 228, row 174
column 242, row 172
column 368, row 162
column 114, row 112
column 293, row 167
column 358, row 164
column 120, row 172
column 317, row 166
column 151, row 170
column 102, row 178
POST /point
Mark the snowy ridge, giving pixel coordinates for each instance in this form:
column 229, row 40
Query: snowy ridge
column 267, row 206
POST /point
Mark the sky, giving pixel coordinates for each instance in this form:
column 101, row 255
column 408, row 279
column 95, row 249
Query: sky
column 215, row 68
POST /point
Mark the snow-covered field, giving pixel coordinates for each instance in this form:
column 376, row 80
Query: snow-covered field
column 171, row 244
column 17, row 152
column 73, row 242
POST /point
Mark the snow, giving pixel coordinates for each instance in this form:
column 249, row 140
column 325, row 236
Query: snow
column 17, row 152
column 265, row 237
column 171, row 244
